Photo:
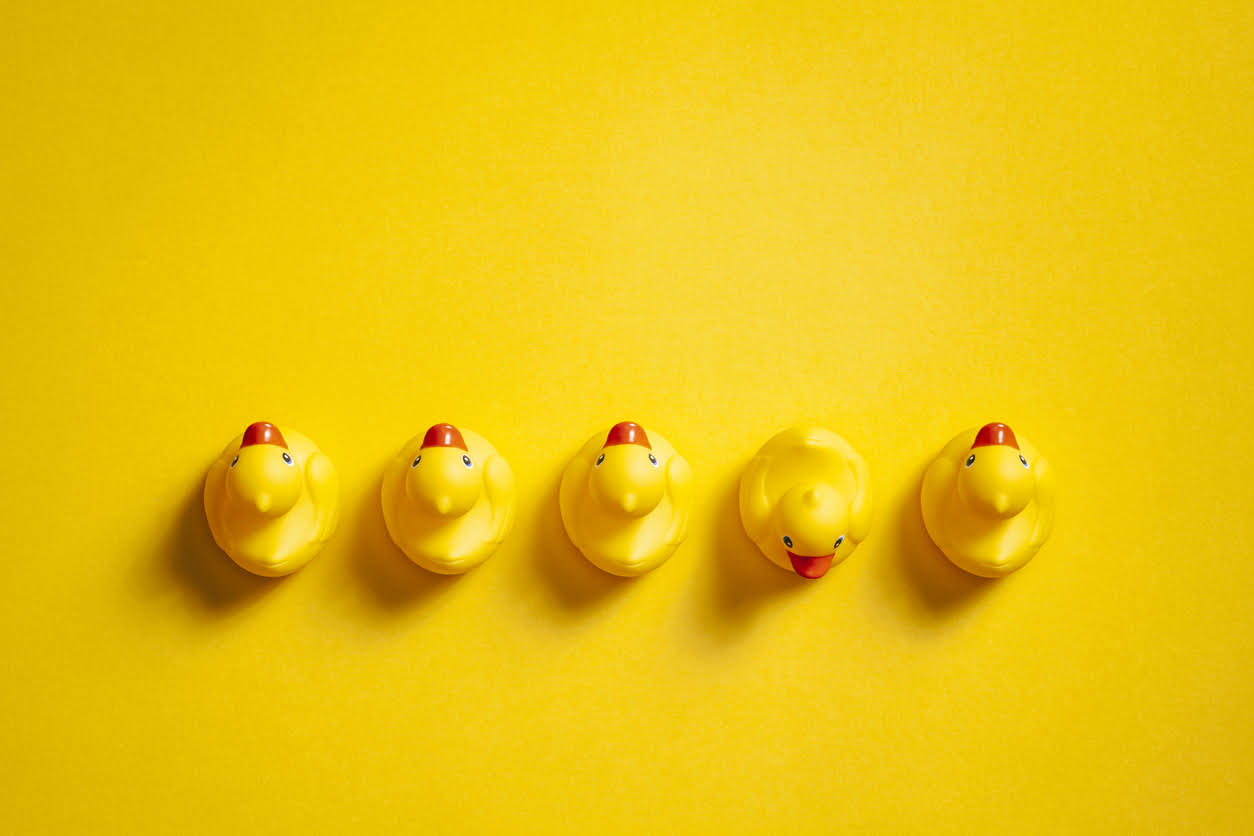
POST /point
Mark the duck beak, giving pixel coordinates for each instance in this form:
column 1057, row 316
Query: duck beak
column 443, row 505
column 629, row 502
column 995, row 434
column 811, row 567
column 263, row 502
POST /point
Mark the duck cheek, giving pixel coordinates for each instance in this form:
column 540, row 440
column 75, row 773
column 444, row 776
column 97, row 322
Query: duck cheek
column 413, row 485
column 269, row 504
column 981, row 498
column 841, row 553
column 995, row 504
column 286, row 491
column 449, row 505
column 463, row 495
column 641, row 502
column 1004, row 496
column 644, row 496
column 247, row 481
column 652, row 488
column 442, row 492
column 984, row 505
column 1016, row 499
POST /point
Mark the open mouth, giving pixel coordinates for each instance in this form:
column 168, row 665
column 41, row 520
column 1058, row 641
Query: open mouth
column 811, row 567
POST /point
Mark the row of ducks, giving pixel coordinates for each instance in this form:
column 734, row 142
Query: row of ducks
column 272, row 500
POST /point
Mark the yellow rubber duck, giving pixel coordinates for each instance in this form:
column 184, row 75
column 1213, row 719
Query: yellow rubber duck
column 272, row 500
column 805, row 500
column 448, row 499
column 988, row 500
column 625, row 500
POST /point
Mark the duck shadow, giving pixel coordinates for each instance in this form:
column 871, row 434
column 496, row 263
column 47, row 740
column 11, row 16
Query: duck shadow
column 917, row 576
column 393, row 581
column 192, row 560
column 572, row 582
column 741, row 581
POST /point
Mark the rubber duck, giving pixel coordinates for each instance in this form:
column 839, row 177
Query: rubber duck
column 272, row 500
column 805, row 500
column 988, row 500
column 448, row 499
column 625, row 499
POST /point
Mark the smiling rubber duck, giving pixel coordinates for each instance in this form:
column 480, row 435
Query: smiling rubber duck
column 805, row 500
column 625, row 499
column 272, row 500
column 448, row 499
column 988, row 500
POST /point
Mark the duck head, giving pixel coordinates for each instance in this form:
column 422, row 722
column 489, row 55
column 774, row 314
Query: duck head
column 995, row 479
column 627, row 477
column 443, row 477
column 810, row 523
column 264, row 475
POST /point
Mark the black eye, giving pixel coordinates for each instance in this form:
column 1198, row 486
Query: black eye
column 234, row 460
column 839, row 540
column 653, row 460
column 970, row 459
column 787, row 541
column 1023, row 460
column 466, row 461
column 415, row 464
column 287, row 457
column 600, row 459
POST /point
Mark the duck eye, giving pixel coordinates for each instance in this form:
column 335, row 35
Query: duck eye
column 415, row 464
column 970, row 459
column 234, row 460
column 1023, row 460
column 287, row 457
column 787, row 541
column 600, row 459
column 466, row 461
column 653, row 460
column 839, row 540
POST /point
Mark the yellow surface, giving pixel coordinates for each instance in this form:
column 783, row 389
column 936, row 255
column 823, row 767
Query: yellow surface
column 718, row 223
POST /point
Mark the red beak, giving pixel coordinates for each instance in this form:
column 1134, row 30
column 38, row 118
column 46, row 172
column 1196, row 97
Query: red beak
column 995, row 435
column 627, row 432
column 263, row 432
column 811, row 567
column 444, row 435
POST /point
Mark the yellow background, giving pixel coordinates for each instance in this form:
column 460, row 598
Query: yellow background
column 897, row 223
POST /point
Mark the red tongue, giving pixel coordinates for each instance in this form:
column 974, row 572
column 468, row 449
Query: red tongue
column 811, row 567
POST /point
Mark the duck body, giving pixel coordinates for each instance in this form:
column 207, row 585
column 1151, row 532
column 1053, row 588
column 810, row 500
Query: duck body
column 448, row 499
column 625, row 499
column 271, row 500
column 805, row 500
column 988, row 500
